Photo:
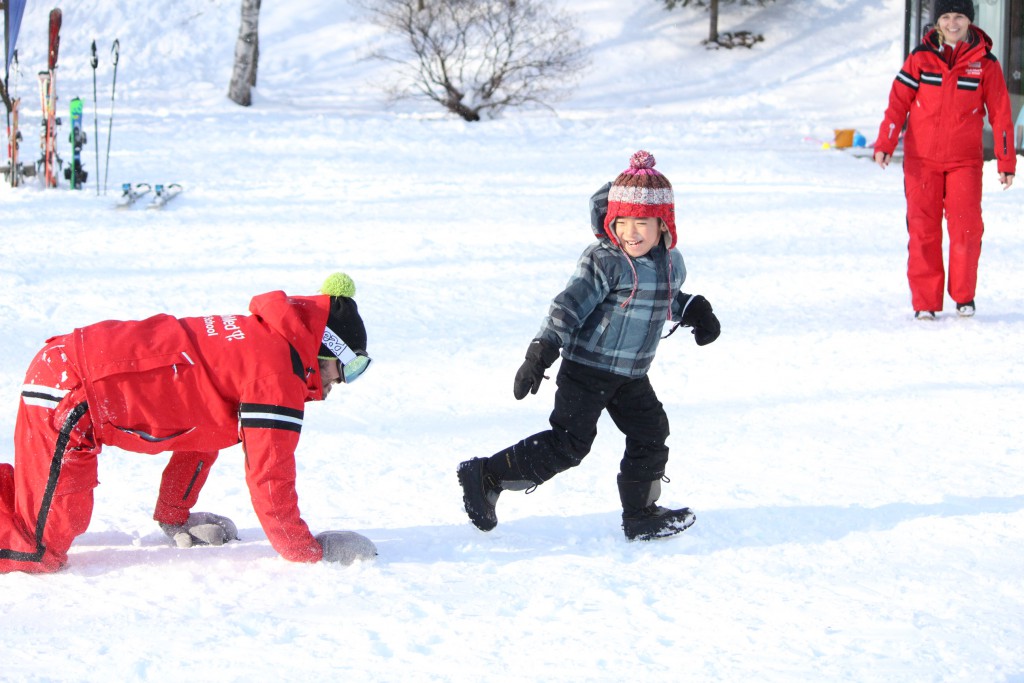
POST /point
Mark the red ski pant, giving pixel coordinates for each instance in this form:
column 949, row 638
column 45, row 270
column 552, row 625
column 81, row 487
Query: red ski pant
column 46, row 498
column 934, row 189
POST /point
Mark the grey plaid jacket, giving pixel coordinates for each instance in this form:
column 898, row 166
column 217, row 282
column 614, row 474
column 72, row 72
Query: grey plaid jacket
column 589, row 322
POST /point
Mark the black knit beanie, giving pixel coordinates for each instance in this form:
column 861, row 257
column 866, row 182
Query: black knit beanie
column 344, row 326
column 343, row 323
column 964, row 7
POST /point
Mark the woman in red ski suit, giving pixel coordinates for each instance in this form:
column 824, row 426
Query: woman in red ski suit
column 946, row 85
column 191, row 386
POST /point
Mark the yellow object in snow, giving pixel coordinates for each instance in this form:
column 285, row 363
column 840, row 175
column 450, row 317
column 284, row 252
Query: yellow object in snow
column 844, row 137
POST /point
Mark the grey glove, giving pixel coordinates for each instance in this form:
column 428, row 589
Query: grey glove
column 201, row 528
column 345, row 546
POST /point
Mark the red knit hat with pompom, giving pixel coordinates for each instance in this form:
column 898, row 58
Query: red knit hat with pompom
column 641, row 192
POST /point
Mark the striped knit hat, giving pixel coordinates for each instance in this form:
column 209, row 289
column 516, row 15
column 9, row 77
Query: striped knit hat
column 641, row 192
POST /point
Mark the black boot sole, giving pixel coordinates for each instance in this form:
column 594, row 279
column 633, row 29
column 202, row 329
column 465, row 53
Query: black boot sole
column 665, row 530
column 474, row 500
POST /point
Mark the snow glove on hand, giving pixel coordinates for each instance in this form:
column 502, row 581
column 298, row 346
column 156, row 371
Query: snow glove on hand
column 539, row 358
column 345, row 546
column 698, row 315
column 201, row 528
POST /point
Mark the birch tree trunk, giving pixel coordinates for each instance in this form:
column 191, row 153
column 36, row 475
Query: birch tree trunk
column 713, row 12
column 247, row 54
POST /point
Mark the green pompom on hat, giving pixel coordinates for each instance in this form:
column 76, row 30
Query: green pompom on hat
column 339, row 284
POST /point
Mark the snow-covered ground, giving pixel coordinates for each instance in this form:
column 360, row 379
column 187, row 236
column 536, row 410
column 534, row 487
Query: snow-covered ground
column 856, row 475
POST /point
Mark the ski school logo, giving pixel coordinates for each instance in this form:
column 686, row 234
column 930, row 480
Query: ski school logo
column 231, row 330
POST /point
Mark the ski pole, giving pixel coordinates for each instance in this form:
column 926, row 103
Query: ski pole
column 115, row 50
column 95, row 110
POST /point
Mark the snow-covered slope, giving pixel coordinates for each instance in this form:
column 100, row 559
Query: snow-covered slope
column 856, row 475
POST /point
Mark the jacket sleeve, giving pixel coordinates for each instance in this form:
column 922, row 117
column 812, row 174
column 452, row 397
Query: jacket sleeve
column 270, row 419
column 182, row 480
column 587, row 287
column 901, row 96
column 997, row 101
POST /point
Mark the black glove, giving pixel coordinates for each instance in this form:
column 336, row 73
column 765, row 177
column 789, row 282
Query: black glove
column 698, row 314
column 201, row 528
column 539, row 358
column 345, row 547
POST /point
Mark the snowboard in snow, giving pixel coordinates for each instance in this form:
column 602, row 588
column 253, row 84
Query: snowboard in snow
column 74, row 173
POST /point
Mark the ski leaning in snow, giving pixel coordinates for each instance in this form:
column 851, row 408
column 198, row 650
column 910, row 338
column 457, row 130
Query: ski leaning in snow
column 49, row 160
column 74, row 173
column 130, row 193
column 12, row 171
column 164, row 194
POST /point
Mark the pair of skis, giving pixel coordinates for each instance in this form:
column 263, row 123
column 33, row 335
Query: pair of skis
column 13, row 171
column 49, row 161
column 131, row 193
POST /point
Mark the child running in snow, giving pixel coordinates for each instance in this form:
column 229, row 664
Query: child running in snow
column 607, row 324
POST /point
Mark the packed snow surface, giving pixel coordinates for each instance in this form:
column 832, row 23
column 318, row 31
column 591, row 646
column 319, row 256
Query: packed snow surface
column 856, row 475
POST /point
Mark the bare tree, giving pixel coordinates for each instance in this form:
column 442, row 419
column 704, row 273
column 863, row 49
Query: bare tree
column 247, row 54
column 478, row 57
column 744, row 38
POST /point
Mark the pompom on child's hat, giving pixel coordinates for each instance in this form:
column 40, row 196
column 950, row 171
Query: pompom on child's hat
column 964, row 7
column 343, row 322
column 642, row 192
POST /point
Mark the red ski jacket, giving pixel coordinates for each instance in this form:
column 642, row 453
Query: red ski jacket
column 198, row 385
column 947, row 105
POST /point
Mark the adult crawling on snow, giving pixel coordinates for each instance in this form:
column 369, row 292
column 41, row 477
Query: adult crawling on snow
column 189, row 386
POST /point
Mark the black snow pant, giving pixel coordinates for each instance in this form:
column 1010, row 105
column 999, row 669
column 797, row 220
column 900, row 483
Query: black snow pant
column 583, row 392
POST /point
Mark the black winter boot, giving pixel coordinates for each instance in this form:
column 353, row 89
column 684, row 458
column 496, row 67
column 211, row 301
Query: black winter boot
column 480, row 490
column 642, row 519
column 483, row 479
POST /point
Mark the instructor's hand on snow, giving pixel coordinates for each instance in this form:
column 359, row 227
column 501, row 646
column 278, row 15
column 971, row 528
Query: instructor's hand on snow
column 201, row 528
column 882, row 159
column 345, row 547
column 1006, row 179
column 539, row 358
column 699, row 315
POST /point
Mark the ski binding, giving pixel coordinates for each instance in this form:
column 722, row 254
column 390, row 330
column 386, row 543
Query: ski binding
column 164, row 194
column 130, row 193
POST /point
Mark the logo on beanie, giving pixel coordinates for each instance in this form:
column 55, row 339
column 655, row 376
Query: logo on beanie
column 333, row 343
